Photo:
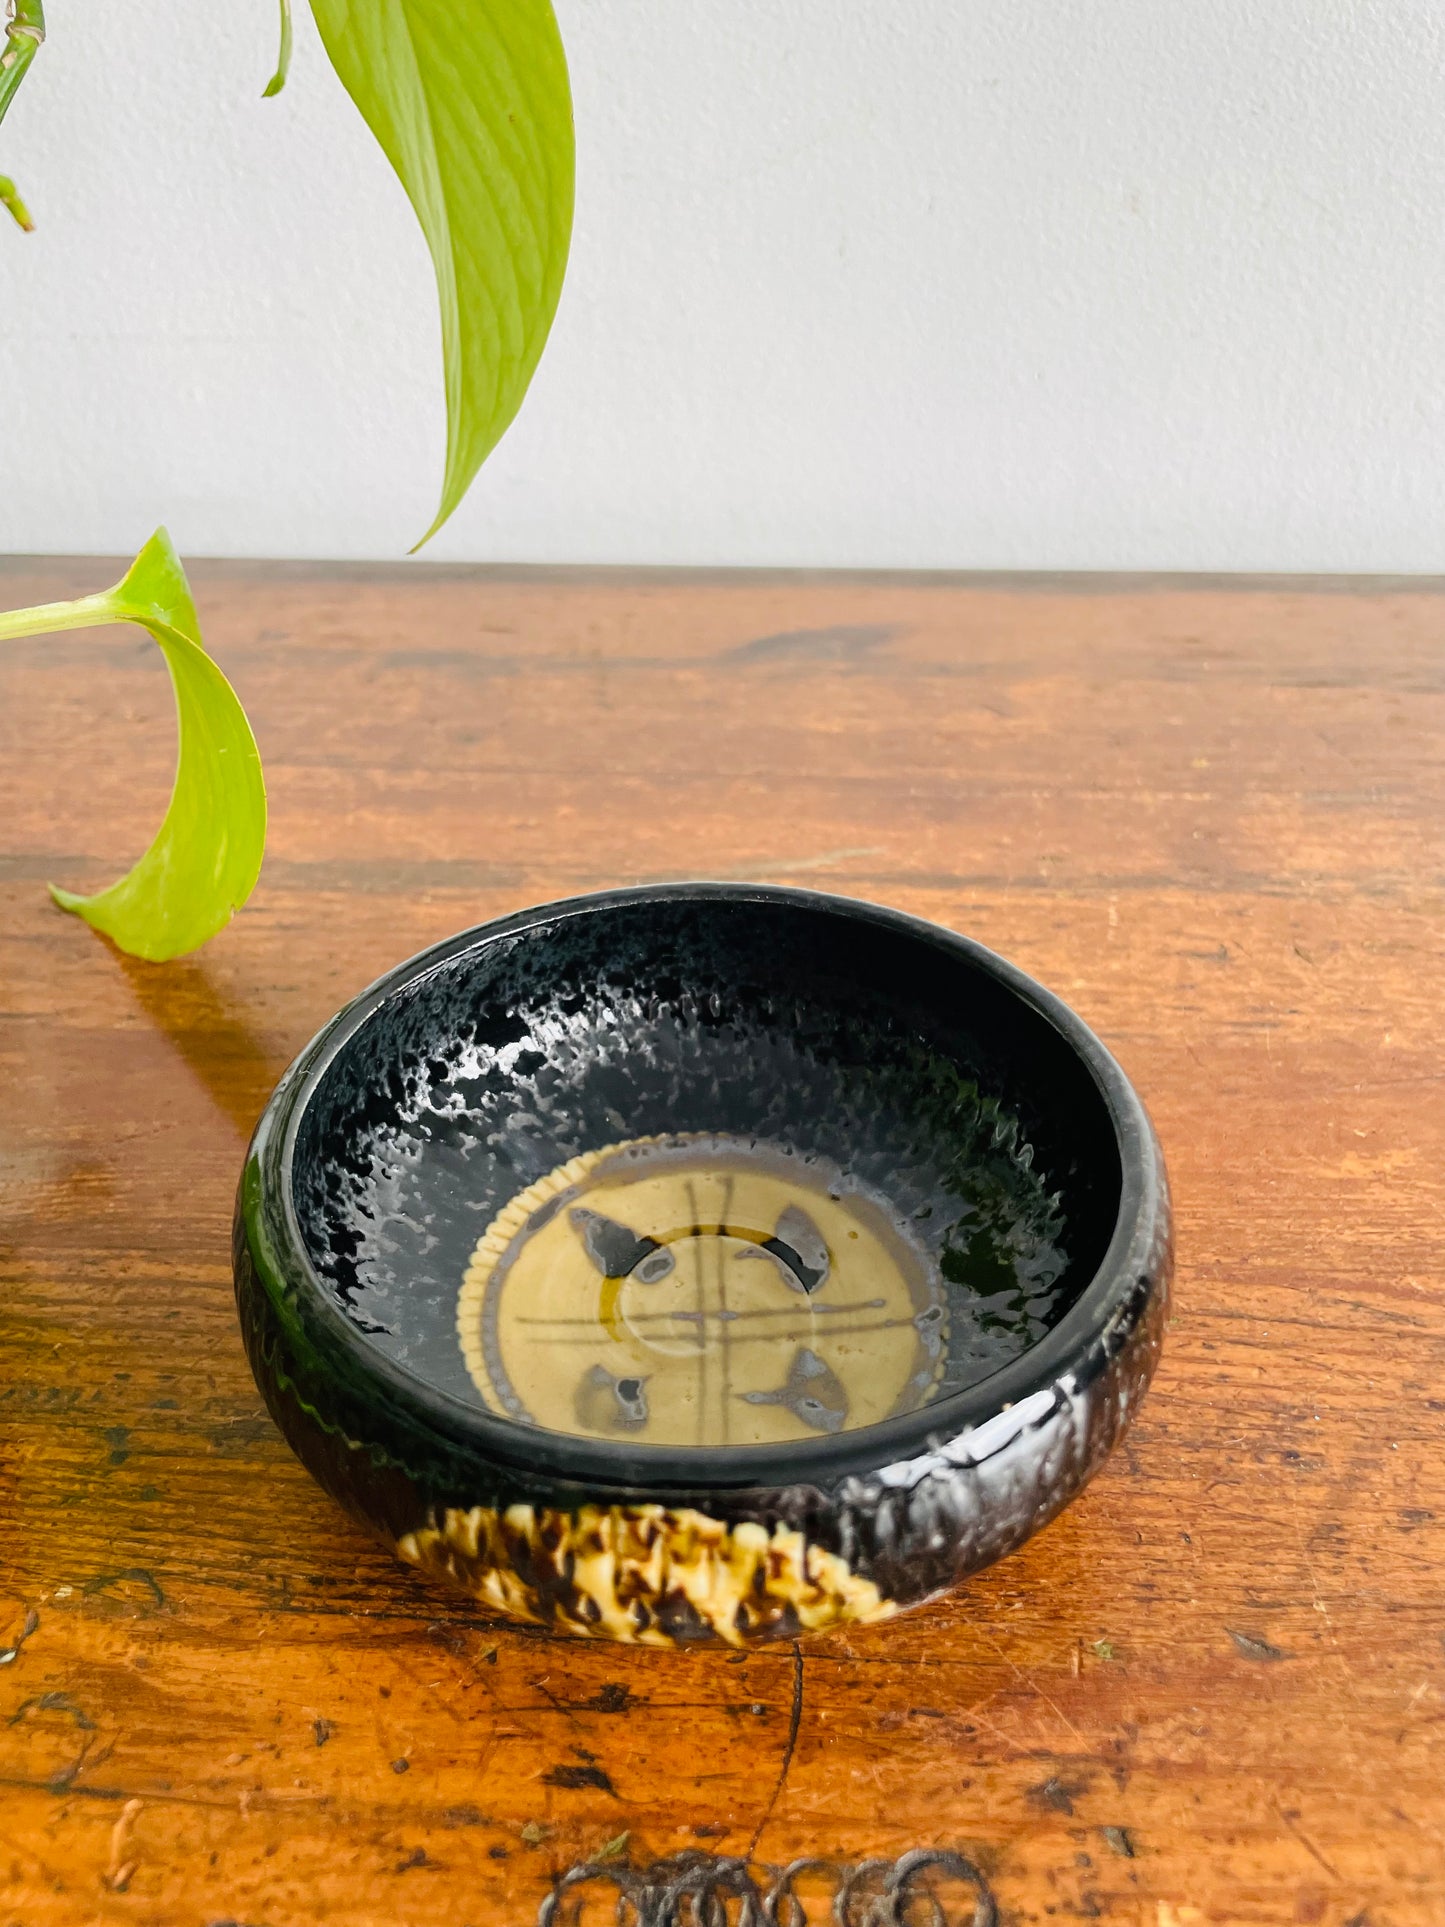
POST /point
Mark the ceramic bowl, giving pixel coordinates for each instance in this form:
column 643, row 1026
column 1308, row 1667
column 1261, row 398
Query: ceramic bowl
column 703, row 1261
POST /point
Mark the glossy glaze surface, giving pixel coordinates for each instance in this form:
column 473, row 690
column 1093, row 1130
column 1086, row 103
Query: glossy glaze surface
column 875, row 1052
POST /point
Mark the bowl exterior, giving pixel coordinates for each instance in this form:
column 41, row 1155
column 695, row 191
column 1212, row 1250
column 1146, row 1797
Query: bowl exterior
column 668, row 1566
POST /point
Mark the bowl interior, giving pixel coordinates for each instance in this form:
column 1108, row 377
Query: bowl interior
column 713, row 1169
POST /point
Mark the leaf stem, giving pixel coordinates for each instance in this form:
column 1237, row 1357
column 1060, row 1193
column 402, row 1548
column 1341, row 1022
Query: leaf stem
column 24, row 35
column 283, row 58
column 10, row 198
column 46, row 617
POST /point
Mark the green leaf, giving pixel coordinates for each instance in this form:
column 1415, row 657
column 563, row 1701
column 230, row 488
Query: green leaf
column 470, row 102
column 206, row 855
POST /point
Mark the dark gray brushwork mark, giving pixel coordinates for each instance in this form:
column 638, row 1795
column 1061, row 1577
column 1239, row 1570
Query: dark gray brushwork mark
column 812, row 1392
column 603, row 1402
column 797, row 1248
column 615, row 1249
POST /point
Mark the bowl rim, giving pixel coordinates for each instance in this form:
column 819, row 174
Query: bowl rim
column 1107, row 1308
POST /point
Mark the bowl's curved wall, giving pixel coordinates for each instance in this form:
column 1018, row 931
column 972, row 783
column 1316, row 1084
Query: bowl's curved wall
column 637, row 1542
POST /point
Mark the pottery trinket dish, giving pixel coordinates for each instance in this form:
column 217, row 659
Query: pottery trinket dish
column 703, row 1261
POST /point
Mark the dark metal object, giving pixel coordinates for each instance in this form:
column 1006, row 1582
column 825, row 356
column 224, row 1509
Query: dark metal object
column 696, row 1889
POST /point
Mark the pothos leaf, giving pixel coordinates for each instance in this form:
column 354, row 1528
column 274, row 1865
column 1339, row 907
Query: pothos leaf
column 206, row 855
column 470, row 102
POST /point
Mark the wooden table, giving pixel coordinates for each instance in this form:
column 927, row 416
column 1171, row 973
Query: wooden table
column 1209, row 814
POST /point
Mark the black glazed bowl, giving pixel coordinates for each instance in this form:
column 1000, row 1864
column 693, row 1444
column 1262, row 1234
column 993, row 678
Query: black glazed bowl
column 856, row 1101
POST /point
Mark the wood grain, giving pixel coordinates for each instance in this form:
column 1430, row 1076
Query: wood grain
column 1210, row 815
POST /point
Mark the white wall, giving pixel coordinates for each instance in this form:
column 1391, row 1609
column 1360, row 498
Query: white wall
column 957, row 283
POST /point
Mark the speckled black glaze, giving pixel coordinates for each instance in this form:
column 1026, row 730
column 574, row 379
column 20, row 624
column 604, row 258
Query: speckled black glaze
column 936, row 1069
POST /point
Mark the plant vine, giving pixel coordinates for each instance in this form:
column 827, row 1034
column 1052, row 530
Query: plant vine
column 24, row 37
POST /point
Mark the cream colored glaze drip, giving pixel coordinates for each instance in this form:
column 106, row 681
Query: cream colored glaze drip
column 626, row 1564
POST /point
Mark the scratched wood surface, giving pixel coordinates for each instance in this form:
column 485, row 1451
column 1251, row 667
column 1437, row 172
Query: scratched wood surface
column 1209, row 814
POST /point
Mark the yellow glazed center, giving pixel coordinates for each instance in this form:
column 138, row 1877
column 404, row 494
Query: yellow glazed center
column 700, row 1291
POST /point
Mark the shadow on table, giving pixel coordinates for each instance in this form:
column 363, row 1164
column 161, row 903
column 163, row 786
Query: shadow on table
column 211, row 1031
